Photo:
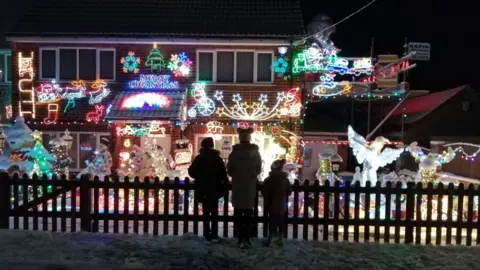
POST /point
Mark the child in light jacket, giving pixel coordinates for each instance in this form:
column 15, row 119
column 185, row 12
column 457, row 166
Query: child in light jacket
column 275, row 192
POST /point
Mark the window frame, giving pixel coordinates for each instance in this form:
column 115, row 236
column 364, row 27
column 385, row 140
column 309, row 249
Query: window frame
column 77, row 49
column 77, row 134
column 5, row 54
column 255, row 66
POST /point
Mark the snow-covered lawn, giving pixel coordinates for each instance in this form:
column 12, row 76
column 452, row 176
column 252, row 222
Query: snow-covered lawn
column 43, row 250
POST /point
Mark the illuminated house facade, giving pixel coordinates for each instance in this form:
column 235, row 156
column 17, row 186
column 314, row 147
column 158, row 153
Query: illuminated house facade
column 184, row 69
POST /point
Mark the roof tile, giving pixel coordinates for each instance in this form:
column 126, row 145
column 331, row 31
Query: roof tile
column 246, row 18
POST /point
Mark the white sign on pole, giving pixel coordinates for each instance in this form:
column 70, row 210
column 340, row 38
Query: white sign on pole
column 421, row 49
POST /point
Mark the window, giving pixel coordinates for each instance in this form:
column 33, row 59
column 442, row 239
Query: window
column 83, row 146
column 49, row 60
column 5, row 67
column 205, row 66
column 225, row 70
column 245, row 67
column 264, row 67
column 240, row 66
column 66, row 64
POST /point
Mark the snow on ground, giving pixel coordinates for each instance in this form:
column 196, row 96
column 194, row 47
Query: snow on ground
column 29, row 250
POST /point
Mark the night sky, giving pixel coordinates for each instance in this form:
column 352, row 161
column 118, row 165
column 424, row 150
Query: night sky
column 449, row 26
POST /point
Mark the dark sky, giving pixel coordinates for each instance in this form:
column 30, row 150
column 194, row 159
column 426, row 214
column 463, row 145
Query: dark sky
column 449, row 26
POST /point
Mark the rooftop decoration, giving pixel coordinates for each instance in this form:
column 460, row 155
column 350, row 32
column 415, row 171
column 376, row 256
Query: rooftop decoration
column 130, row 63
column 180, row 64
column 155, row 60
column 151, row 81
column 142, row 100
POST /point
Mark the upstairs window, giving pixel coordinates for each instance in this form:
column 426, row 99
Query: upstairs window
column 239, row 66
column 66, row 64
column 5, row 67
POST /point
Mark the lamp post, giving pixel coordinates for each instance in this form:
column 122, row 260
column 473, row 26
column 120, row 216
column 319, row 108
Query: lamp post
column 3, row 138
column 68, row 142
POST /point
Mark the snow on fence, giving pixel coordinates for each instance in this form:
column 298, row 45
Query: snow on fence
column 340, row 212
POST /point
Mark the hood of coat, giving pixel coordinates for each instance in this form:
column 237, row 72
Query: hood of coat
column 278, row 173
column 244, row 150
column 209, row 152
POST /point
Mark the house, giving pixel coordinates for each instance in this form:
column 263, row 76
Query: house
column 156, row 71
column 440, row 118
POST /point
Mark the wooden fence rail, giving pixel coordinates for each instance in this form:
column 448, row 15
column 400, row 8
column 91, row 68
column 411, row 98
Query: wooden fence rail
column 340, row 212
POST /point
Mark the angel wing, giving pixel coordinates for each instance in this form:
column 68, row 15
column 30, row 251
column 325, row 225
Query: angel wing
column 358, row 145
column 388, row 156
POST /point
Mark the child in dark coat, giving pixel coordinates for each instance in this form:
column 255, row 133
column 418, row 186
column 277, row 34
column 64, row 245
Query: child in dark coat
column 275, row 192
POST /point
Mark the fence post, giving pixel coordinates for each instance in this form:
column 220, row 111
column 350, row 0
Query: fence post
column 85, row 204
column 410, row 213
column 4, row 200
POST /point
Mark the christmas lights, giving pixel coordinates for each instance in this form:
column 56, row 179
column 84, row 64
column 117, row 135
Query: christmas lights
column 48, row 92
column 180, row 64
column 280, row 65
column 94, row 116
column 214, row 130
column 362, row 66
column 153, row 128
column 100, row 92
column 243, row 111
column 72, row 93
column 25, row 65
column 330, row 88
column 142, row 100
column 371, row 155
column 130, row 63
column 155, row 59
column 52, row 114
column 204, row 105
column 127, row 143
column 26, row 93
column 8, row 111
column 292, row 105
column 151, row 81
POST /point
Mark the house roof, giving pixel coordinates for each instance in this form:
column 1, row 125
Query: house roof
column 155, row 18
column 171, row 111
column 425, row 104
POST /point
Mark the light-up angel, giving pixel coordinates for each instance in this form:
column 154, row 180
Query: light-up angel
column 428, row 163
column 371, row 155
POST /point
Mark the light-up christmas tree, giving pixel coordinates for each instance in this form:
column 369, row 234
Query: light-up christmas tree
column 155, row 59
column 39, row 160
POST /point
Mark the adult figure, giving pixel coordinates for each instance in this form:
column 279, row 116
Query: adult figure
column 210, row 176
column 244, row 165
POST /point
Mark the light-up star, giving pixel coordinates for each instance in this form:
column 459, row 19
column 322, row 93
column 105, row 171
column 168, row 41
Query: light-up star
column 220, row 111
column 263, row 98
column 265, row 109
column 280, row 96
column 218, row 95
column 236, row 98
column 244, row 105
column 254, row 106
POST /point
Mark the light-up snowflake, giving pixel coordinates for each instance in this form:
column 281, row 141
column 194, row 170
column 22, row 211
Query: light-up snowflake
column 130, row 63
column 180, row 64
